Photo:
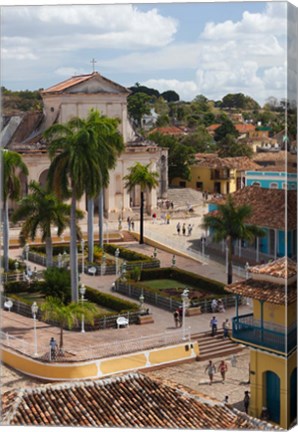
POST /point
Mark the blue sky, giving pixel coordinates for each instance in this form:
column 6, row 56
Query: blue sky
column 192, row 48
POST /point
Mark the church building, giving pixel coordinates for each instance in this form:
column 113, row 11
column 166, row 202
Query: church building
column 75, row 97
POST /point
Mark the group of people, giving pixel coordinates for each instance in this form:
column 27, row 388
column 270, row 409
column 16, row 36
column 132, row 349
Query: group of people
column 130, row 223
column 211, row 370
column 186, row 230
column 165, row 204
column 217, row 306
column 214, row 327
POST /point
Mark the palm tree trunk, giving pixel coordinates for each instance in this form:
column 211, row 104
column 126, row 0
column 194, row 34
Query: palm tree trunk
column 73, row 248
column 142, row 218
column 5, row 236
column 230, row 263
column 61, row 337
column 49, row 252
column 100, row 217
column 90, row 229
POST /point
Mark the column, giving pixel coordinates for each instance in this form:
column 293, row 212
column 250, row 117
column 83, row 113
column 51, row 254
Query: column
column 258, row 250
column 275, row 242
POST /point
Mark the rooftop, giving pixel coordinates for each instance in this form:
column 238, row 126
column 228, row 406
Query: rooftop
column 168, row 130
column 132, row 400
column 284, row 268
column 268, row 206
column 213, row 161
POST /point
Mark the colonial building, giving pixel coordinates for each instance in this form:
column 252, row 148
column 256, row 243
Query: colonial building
column 75, row 97
column 270, row 331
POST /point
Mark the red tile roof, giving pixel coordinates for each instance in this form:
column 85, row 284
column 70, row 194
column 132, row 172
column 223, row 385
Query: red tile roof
column 75, row 80
column 284, row 268
column 213, row 161
column 168, row 130
column 132, row 400
column 268, row 206
column 244, row 128
column 213, row 127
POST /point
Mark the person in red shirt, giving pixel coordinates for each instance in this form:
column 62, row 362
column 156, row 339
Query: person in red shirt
column 222, row 368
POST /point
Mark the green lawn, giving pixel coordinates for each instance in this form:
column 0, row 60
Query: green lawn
column 162, row 284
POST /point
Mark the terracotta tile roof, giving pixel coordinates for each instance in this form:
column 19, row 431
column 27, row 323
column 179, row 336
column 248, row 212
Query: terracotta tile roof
column 265, row 290
column 277, row 168
column 213, row 127
column 244, row 128
column 132, row 400
column 284, row 268
column 274, row 157
column 168, row 130
column 211, row 160
column 75, row 80
column 268, row 206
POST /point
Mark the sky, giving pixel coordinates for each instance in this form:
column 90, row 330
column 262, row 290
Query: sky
column 193, row 48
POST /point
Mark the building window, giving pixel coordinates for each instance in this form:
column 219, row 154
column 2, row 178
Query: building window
column 258, row 184
column 293, row 186
column 285, row 185
column 199, row 185
column 182, row 184
column 273, row 186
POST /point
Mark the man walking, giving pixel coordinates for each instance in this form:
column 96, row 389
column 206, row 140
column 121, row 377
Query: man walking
column 226, row 326
column 213, row 325
column 210, row 369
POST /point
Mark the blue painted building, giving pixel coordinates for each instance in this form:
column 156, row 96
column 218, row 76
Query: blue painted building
column 271, row 179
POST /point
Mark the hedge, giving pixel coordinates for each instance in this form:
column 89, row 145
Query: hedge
column 197, row 281
column 16, row 287
column 125, row 253
column 109, row 301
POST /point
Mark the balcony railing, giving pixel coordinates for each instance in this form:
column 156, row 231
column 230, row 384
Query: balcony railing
column 277, row 338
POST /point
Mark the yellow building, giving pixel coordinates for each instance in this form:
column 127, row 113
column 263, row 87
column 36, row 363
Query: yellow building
column 217, row 175
column 271, row 333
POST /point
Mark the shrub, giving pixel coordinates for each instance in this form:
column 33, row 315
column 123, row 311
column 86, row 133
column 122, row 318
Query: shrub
column 109, row 301
column 57, row 284
column 16, row 287
column 126, row 254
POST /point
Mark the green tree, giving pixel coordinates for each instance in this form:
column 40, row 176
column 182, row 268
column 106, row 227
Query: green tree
column 138, row 105
column 40, row 211
column 57, row 284
column 230, row 147
column 140, row 175
column 200, row 141
column 13, row 166
column 180, row 156
column 229, row 224
column 226, row 128
column 170, row 96
column 53, row 309
column 75, row 169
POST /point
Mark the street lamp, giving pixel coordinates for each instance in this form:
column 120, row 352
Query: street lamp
column 124, row 268
column 227, row 259
column 82, row 292
column 34, row 309
column 141, row 299
column 246, row 270
column 16, row 266
column 184, row 298
column 203, row 241
column 59, row 260
column 26, row 249
column 103, row 264
column 117, row 252
column 64, row 258
column 83, row 256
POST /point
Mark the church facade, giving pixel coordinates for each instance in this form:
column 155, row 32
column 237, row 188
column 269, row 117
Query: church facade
column 75, row 97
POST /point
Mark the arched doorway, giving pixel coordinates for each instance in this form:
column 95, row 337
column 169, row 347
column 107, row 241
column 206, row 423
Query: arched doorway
column 293, row 395
column 272, row 396
column 43, row 178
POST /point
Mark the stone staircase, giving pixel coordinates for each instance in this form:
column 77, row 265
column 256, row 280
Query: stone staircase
column 182, row 197
column 127, row 237
column 215, row 346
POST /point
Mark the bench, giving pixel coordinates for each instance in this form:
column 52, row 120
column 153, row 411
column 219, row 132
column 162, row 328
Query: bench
column 121, row 321
column 92, row 270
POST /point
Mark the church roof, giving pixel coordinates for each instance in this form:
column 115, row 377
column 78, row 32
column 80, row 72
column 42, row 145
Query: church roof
column 79, row 79
column 132, row 400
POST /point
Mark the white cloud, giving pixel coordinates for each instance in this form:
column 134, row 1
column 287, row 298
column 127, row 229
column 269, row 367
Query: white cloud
column 186, row 89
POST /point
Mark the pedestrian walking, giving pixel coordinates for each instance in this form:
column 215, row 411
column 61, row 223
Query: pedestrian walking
column 132, row 223
column 213, row 325
column 172, row 205
column 246, row 401
column 154, row 216
column 53, row 348
column 226, row 400
column 226, row 326
column 220, row 306
column 184, row 229
column 128, row 223
column 189, row 229
column 180, row 311
column 214, row 305
column 210, row 369
column 168, row 218
column 176, row 318
column 178, row 228
column 222, row 368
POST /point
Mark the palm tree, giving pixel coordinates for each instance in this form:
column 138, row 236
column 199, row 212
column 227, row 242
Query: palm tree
column 109, row 144
column 41, row 210
column 53, row 309
column 147, row 180
column 12, row 166
column 75, row 169
column 229, row 225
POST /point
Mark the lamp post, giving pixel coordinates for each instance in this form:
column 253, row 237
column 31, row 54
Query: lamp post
column 64, row 258
column 26, row 249
column 124, row 268
column 34, row 309
column 117, row 252
column 82, row 292
column 246, row 270
column 227, row 259
column 59, row 260
column 203, row 241
column 103, row 264
column 141, row 299
column 16, row 266
column 83, row 256
column 155, row 252
column 184, row 298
